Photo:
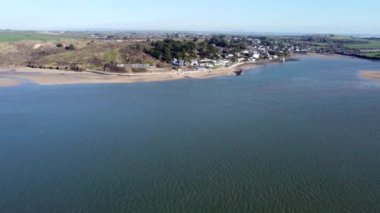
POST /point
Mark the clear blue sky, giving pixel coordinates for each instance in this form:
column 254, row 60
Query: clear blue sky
column 304, row 16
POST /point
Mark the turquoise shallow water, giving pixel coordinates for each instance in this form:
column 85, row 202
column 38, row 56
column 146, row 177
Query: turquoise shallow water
column 297, row 137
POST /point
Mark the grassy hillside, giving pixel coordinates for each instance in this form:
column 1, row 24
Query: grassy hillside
column 374, row 55
column 29, row 36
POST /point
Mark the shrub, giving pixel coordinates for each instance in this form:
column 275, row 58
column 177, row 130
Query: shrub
column 70, row 47
column 139, row 70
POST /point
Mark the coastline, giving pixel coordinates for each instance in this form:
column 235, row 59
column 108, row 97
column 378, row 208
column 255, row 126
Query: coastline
column 12, row 76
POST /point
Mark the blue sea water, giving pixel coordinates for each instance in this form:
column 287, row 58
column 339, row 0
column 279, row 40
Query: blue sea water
column 301, row 136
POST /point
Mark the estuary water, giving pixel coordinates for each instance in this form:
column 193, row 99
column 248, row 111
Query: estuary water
column 301, row 136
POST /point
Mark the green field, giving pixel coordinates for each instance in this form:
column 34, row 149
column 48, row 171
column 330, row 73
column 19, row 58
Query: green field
column 342, row 38
column 369, row 44
column 28, row 36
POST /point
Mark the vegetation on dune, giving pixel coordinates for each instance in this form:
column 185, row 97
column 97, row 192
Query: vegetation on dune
column 76, row 55
column 134, row 54
column 111, row 55
column 70, row 47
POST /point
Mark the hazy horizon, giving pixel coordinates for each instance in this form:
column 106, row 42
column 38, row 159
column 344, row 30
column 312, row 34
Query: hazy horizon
column 225, row 32
column 287, row 17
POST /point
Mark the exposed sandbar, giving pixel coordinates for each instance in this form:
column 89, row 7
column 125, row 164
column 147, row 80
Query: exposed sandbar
column 370, row 74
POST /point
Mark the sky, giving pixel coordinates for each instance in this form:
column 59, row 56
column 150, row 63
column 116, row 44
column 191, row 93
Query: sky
column 261, row 16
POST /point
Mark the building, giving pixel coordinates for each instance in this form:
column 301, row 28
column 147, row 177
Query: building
column 178, row 62
column 256, row 55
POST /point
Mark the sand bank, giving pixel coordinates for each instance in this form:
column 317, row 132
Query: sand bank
column 370, row 74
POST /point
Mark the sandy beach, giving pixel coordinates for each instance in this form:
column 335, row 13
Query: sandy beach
column 14, row 76
column 370, row 74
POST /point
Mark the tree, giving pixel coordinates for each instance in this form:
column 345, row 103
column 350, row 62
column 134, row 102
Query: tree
column 219, row 41
column 167, row 55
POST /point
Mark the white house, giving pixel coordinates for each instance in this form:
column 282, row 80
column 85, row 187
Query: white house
column 256, row 55
column 177, row 62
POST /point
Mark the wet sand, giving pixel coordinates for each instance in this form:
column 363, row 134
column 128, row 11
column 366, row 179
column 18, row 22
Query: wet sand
column 7, row 82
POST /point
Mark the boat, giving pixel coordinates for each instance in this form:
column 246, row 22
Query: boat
column 238, row 72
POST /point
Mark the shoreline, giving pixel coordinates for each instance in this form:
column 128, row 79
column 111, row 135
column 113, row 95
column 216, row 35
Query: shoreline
column 13, row 76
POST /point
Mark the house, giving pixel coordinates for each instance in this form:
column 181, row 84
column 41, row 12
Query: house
column 178, row 62
column 256, row 55
column 208, row 63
